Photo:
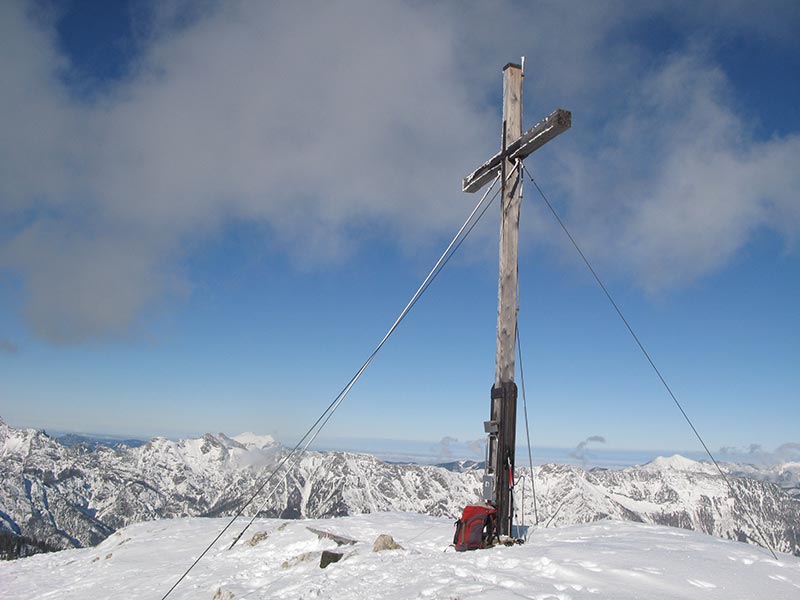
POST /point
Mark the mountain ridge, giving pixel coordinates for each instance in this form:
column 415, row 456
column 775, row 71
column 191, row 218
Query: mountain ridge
column 76, row 496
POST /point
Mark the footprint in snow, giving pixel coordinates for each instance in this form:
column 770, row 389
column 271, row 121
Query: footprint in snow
column 511, row 584
column 648, row 570
column 701, row 584
column 482, row 562
column 744, row 561
column 590, row 566
column 511, row 564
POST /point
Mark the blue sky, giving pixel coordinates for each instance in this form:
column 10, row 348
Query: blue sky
column 211, row 213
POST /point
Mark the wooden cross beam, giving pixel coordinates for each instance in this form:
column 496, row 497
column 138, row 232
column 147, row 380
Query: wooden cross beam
column 537, row 136
column 498, row 480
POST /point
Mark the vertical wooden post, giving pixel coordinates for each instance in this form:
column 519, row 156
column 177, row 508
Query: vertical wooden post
column 504, row 390
column 509, row 229
column 502, row 425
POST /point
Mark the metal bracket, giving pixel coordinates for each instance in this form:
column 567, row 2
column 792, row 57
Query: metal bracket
column 488, row 487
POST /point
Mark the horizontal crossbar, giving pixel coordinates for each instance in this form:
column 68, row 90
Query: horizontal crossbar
column 537, row 136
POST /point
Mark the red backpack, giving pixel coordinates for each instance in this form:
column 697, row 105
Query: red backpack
column 475, row 528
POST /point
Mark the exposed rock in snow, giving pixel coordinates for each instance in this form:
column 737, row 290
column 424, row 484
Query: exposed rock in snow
column 329, row 557
column 385, row 542
column 258, row 537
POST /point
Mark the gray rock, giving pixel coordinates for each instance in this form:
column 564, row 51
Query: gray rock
column 258, row 537
column 329, row 557
column 385, row 542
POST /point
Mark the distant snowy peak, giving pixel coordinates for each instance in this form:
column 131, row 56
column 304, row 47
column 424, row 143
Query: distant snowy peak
column 254, row 441
column 12, row 441
column 213, row 451
column 676, row 462
column 786, row 475
column 21, row 442
column 462, row 466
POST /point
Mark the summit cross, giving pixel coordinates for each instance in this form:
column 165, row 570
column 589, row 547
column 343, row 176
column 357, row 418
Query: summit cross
column 498, row 482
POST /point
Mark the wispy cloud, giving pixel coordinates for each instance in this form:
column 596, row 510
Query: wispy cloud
column 366, row 124
column 756, row 453
column 8, row 347
column 477, row 447
column 227, row 118
column 581, row 451
column 443, row 450
column 683, row 177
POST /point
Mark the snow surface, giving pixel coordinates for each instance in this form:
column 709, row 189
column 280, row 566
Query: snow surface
column 606, row 559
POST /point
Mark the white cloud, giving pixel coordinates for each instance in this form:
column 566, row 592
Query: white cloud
column 684, row 177
column 330, row 123
column 87, row 285
column 312, row 122
column 786, row 452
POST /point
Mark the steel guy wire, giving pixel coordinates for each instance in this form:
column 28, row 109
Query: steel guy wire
column 650, row 360
column 326, row 415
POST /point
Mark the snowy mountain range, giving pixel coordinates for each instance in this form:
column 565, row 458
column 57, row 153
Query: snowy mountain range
column 56, row 496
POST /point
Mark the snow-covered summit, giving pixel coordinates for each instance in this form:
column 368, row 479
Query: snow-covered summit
column 16, row 445
column 211, row 454
column 619, row 560
column 253, row 440
column 676, row 462
column 13, row 441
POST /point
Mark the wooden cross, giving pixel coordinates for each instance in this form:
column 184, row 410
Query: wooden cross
column 498, row 480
